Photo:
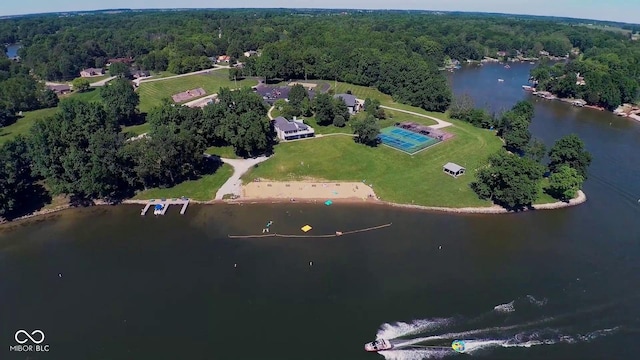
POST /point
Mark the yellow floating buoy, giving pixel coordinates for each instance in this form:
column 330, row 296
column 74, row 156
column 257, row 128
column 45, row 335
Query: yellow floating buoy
column 306, row 228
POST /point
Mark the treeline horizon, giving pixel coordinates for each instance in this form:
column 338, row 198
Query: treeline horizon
column 399, row 53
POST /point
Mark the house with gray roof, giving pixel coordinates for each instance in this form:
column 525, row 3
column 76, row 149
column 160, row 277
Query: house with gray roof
column 351, row 101
column 60, row 89
column 453, row 169
column 291, row 130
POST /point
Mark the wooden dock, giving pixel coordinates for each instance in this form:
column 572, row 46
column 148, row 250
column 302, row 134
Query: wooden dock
column 165, row 205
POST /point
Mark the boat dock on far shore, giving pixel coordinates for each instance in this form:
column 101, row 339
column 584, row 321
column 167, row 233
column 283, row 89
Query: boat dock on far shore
column 162, row 205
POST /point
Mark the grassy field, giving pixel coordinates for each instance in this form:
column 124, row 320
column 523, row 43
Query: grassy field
column 161, row 74
column 222, row 151
column 92, row 95
column 95, row 78
column 203, row 189
column 395, row 176
column 152, row 93
column 22, row 126
column 137, row 129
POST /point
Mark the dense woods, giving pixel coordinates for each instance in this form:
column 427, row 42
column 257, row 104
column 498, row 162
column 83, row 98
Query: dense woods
column 397, row 52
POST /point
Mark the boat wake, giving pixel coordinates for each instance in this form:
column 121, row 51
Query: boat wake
column 432, row 338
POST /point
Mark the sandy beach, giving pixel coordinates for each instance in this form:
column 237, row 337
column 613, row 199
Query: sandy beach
column 306, row 190
column 353, row 193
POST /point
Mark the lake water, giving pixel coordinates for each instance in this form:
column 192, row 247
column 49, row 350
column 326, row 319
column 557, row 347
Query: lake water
column 12, row 50
column 105, row 283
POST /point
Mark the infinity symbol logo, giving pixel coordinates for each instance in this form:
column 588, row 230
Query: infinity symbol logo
column 29, row 336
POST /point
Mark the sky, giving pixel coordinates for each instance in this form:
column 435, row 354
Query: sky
column 613, row 10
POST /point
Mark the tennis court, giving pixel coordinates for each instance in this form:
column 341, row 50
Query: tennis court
column 405, row 140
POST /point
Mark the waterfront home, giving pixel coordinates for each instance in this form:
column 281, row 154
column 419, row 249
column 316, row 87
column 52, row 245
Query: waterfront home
column 91, row 72
column 291, row 130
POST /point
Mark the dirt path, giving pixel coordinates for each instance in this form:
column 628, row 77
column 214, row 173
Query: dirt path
column 441, row 123
column 240, row 167
column 205, row 71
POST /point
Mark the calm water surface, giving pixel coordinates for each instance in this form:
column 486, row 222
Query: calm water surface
column 12, row 50
column 108, row 284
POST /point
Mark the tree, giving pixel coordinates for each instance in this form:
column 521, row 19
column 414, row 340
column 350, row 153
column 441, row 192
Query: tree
column 515, row 133
column 170, row 155
column 340, row 109
column 77, row 152
column 239, row 120
column 324, row 109
column 569, row 150
column 297, row 94
column 339, row 121
column 121, row 100
column 366, row 130
column 48, row 99
column 509, row 180
column 536, row 150
column 461, row 106
column 565, row 182
column 120, row 70
column 81, row 84
column 17, row 185
column 525, row 109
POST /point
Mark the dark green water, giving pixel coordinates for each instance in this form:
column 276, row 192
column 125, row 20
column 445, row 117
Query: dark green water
column 105, row 283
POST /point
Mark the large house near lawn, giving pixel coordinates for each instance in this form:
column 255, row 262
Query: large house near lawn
column 291, row 130
column 350, row 100
column 90, row 72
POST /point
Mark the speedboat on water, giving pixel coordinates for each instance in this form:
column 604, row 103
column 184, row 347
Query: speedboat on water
column 378, row 345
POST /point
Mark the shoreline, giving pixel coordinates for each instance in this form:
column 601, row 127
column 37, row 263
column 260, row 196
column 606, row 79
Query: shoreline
column 495, row 209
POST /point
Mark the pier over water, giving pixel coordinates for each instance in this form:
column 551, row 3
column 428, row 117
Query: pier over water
column 163, row 204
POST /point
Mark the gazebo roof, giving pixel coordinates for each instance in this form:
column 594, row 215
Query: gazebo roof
column 453, row 167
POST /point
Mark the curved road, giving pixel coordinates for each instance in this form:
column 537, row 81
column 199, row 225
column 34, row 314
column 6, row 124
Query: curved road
column 240, row 166
column 151, row 79
column 441, row 123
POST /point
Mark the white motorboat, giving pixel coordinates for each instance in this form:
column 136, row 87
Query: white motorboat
column 378, row 345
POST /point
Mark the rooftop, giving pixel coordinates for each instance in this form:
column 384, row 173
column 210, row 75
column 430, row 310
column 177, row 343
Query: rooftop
column 286, row 125
column 453, row 167
column 348, row 99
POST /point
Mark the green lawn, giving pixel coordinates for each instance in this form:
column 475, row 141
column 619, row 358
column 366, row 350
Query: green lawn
column 222, row 151
column 161, row 74
column 95, row 78
column 91, row 95
column 203, row 189
column 22, row 125
column 395, row 176
column 363, row 92
column 137, row 129
column 152, row 93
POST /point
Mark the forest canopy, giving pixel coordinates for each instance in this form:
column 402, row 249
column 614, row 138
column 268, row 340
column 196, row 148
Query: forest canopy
column 388, row 50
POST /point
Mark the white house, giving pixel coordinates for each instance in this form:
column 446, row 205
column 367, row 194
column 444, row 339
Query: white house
column 453, row 169
column 290, row 130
